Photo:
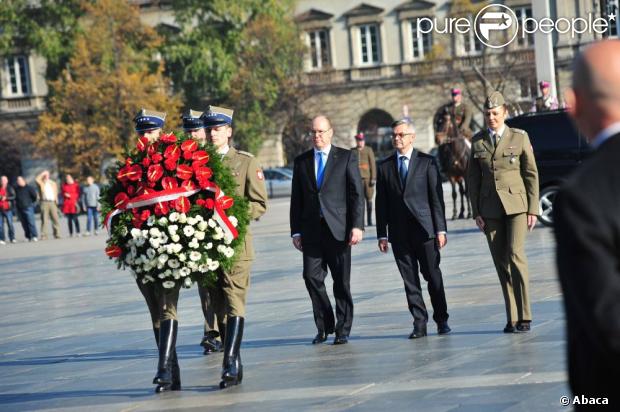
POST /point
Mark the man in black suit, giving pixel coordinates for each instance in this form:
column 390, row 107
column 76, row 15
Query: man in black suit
column 410, row 215
column 327, row 218
column 587, row 227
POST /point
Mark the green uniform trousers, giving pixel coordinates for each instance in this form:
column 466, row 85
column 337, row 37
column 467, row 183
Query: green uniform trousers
column 230, row 295
column 162, row 302
column 506, row 239
column 211, row 328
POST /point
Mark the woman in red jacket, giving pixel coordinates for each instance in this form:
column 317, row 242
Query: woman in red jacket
column 71, row 194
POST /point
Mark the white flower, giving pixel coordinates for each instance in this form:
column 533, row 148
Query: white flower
column 203, row 268
column 188, row 282
column 199, row 235
column 175, row 238
column 154, row 241
column 168, row 284
column 145, row 281
column 228, row 239
column 145, row 233
column 199, row 218
column 193, row 244
column 182, row 257
column 163, row 258
column 182, row 218
column 161, row 250
column 188, row 230
column 202, row 225
column 213, row 264
column 230, row 252
column 154, row 232
column 174, row 216
column 218, row 235
column 150, row 221
column 177, row 247
column 161, row 275
column 150, row 253
column 184, row 271
column 136, row 233
column 176, row 274
column 138, row 270
column 172, row 229
column 163, row 221
column 233, row 220
column 191, row 221
column 149, row 278
column 173, row 263
column 221, row 248
column 128, row 259
column 168, row 272
column 192, row 265
column 140, row 241
column 195, row 256
column 209, row 246
column 212, row 223
column 163, row 238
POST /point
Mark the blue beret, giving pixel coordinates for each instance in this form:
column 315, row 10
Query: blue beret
column 149, row 120
column 217, row 116
column 192, row 120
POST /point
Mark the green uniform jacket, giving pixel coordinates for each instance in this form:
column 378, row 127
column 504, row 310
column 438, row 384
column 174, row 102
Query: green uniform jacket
column 504, row 180
column 251, row 185
column 367, row 165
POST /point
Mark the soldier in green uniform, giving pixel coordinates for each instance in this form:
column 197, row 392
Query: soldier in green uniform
column 503, row 188
column 229, row 296
column 368, row 171
column 162, row 303
column 194, row 125
column 457, row 112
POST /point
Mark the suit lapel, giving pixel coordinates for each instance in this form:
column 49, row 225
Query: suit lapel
column 486, row 142
column 503, row 140
column 395, row 173
column 310, row 168
column 332, row 159
column 413, row 164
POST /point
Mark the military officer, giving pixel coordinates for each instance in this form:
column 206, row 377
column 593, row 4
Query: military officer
column 211, row 342
column 162, row 303
column 503, row 188
column 457, row 111
column 230, row 296
column 368, row 171
column 546, row 101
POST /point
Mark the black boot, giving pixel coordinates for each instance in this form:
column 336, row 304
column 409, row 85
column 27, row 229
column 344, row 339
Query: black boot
column 167, row 342
column 369, row 212
column 176, row 377
column 211, row 343
column 232, row 370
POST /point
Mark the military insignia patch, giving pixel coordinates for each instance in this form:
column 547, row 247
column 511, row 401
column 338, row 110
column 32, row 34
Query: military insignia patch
column 259, row 174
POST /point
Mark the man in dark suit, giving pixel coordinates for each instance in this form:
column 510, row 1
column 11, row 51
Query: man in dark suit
column 587, row 228
column 327, row 218
column 410, row 215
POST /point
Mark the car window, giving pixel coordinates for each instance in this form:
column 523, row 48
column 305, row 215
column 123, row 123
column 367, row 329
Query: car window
column 553, row 131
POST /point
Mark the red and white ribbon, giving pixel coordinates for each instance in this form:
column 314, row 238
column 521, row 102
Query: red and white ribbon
column 168, row 195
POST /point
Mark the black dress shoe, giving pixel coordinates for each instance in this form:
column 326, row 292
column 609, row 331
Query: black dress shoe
column 509, row 328
column 523, row 326
column 319, row 338
column 211, row 345
column 341, row 340
column 443, row 328
column 418, row 332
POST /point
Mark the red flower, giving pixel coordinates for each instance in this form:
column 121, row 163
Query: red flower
column 182, row 205
column 152, row 149
column 146, row 162
column 128, row 161
column 142, row 143
column 168, row 138
column 154, row 173
column 184, row 172
column 121, row 200
column 156, row 158
column 189, row 145
column 204, row 173
column 225, row 202
column 200, row 202
column 145, row 214
column 161, row 209
column 170, row 164
column 188, row 185
column 169, row 183
column 113, row 251
column 187, row 155
column 209, row 203
column 131, row 190
column 172, row 152
column 200, row 157
column 132, row 173
column 137, row 222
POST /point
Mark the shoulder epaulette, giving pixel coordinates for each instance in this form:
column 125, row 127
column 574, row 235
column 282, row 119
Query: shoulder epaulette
column 521, row 131
column 248, row 154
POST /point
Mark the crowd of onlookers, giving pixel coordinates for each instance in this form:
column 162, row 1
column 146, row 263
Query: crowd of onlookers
column 70, row 198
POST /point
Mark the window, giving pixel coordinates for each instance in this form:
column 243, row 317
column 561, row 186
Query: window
column 369, row 42
column 17, row 72
column 471, row 44
column 528, row 87
column 319, row 49
column 610, row 7
column 525, row 39
column 421, row 36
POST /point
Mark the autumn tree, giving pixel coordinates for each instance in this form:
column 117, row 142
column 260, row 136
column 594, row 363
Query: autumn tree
column 113, row 71
column 245, row 54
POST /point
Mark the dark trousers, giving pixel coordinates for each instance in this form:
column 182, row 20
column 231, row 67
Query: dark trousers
column 413, row 256
column 26, row 217
column 72, row 219
column 335, row 255
column 8, row 215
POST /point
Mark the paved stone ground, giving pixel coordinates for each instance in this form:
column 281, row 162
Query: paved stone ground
column 75, row 335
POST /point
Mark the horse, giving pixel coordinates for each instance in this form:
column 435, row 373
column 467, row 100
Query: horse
column 453, row 154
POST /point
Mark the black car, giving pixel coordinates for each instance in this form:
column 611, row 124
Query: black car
column 559, row 148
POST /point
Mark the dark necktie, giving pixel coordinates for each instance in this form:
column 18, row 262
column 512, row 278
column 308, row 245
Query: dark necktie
column 402, row 170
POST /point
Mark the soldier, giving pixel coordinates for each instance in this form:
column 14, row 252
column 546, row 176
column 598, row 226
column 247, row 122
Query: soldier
column 194, row 125
column 230, row 296
column 368, row 171
column 545, row 102
column 162, row 303
column 457, row 113
column 503, row 188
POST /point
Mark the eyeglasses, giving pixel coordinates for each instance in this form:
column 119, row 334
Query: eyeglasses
column 401, row 135
column 319, row 132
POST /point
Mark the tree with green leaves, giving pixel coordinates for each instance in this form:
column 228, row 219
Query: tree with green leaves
column 246, row 54
column 113, row 71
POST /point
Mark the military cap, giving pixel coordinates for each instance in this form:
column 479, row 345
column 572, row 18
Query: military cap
column 542, row 84
column 192, row 120
column 359, row 136
column 494, row 100
column 149, row 120
column 455, row 91
column 217, row 116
